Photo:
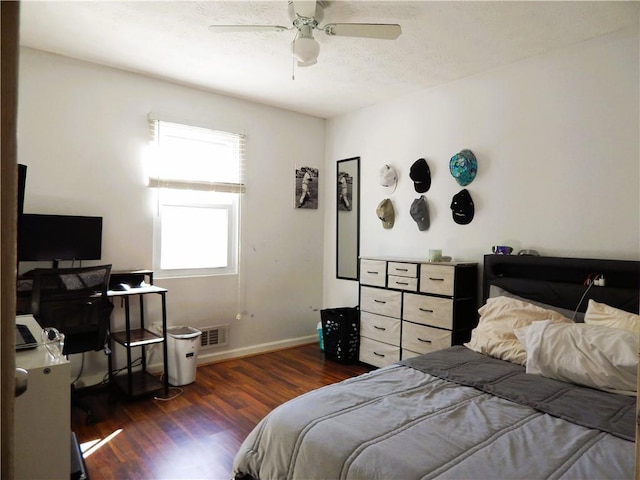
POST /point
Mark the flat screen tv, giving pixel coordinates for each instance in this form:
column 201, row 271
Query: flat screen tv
column 22, row 183
column 59, row 237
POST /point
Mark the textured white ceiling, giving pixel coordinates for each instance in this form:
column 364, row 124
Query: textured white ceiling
column 441, row 42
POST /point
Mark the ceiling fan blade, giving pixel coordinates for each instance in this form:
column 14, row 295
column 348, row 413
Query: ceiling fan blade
column 385, row 31
column 304, row 8
column 246, row 28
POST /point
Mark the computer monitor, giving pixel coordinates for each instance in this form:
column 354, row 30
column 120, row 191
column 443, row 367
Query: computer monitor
column 22, row 183
column 59, row 237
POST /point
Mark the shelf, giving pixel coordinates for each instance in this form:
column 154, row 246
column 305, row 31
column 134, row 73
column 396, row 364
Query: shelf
column 139, row 283
column 138, row 337
column 142, row 383
column 133, row 278
column 136, row 291
column 127, row 273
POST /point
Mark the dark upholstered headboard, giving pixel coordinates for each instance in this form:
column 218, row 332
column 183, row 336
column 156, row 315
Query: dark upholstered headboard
column 561, row 281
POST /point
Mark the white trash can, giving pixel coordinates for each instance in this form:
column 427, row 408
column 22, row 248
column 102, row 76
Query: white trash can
column 183, row 344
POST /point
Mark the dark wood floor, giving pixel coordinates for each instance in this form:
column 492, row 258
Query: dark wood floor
column 196, row 435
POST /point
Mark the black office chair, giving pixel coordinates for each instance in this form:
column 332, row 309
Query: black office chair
column 75, row 302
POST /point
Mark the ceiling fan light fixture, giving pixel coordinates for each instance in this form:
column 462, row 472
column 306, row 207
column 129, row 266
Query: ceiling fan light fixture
column 308, row 64
column 306, row 51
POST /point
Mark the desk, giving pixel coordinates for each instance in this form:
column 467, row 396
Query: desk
column 42, row 413
column 136, row 335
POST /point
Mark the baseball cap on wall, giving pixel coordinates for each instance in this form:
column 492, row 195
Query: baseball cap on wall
column 421, row 175
column 462, row 208
column 463, row 167
column 388, row 177
column 386, row 213
column 420, row 213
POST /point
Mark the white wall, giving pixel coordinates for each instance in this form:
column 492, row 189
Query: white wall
column 557, row 143
column 82, row 132
column 556, row 138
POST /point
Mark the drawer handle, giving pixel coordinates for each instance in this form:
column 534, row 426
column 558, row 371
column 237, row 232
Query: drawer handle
column 423, row 340
column 425, row 310
column 402, row 269
column 436, row 279
column 372, row 273
column 378, row 354
column 379, row 328
column 378, row 301
column 402, row 283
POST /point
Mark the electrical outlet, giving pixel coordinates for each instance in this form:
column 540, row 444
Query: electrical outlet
column 156, row 327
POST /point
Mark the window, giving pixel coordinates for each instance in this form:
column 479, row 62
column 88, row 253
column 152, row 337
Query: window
column 197, row 173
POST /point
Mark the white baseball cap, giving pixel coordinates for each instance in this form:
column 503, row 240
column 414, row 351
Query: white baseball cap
column 388, row 177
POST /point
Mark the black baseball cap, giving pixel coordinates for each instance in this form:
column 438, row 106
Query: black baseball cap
column 421, row 175
column 462, row 208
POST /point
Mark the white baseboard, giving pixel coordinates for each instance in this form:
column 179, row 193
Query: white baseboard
column 206, row 357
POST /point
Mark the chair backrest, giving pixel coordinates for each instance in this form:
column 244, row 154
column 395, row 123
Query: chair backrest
column 74, row 300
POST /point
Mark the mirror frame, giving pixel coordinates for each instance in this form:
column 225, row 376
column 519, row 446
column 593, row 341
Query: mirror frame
column 354, row 230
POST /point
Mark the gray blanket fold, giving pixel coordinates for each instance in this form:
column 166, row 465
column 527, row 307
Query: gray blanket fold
column 584, row 406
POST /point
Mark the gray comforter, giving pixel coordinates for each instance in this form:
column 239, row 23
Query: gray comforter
column 406, row 422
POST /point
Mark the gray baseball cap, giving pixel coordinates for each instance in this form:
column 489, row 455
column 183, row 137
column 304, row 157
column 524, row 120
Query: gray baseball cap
column 420, row 212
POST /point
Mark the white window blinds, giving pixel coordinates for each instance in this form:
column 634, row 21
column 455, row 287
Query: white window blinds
column 196, row 158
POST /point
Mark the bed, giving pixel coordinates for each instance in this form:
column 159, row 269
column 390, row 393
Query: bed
column 545, row 388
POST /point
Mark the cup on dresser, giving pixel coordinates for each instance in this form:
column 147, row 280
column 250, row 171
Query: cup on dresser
column 435, row 255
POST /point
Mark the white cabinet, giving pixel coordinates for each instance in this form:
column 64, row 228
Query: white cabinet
column 411, row 307
column 381, row 309
column 428, row 310
column 424, row 339
column 373, row 272
column 381, row 301
column 42, row 422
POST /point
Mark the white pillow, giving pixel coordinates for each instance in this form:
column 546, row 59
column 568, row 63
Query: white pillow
column 495, row 291
column 591, row 355
column 499, row 317
column 606, row 316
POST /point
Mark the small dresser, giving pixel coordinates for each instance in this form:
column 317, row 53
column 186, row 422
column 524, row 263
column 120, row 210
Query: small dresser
column 411, row 307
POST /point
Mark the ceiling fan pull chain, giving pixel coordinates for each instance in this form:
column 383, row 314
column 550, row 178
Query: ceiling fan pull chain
column 293, row 64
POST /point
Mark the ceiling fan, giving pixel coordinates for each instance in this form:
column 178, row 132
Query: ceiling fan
column 306, row 16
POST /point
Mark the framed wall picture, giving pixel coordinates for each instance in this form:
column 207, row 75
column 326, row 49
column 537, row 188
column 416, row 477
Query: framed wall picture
column 345, row 191
column 306, row 187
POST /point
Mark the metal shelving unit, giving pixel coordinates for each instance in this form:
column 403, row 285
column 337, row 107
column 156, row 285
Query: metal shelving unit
column 136, row 335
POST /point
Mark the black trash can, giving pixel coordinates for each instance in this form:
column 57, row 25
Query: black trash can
column 341, row 334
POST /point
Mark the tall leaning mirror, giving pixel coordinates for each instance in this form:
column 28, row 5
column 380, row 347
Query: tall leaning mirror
column 348, row 218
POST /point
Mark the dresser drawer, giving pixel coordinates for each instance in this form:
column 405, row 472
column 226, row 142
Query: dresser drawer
column 378, row 354
column 403, row 283
column 423, row 339
column 382, row 302
column 401, row 269
column 437, row 279
column 377, row 327
column 434, row 311
column 373, row 272
column 409, row 354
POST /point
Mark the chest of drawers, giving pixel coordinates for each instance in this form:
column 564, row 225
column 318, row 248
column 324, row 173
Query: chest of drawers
column 411, row 307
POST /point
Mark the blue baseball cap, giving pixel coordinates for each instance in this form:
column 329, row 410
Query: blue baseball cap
column 463, row 166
